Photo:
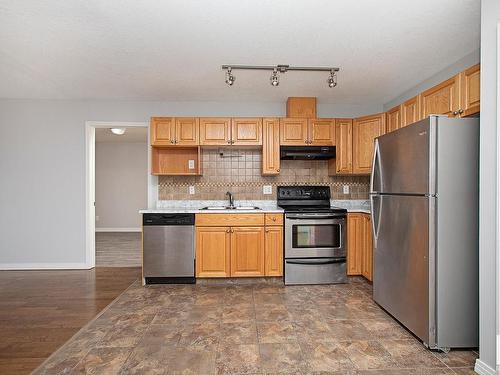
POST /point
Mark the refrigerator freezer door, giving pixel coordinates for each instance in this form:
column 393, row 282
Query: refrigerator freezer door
column 402, row 160
column 401, row 260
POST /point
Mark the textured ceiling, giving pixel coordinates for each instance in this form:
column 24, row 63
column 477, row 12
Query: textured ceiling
column 172, row 50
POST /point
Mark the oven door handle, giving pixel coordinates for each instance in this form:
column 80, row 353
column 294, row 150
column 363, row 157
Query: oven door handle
column 309, row 217
column 315, row 262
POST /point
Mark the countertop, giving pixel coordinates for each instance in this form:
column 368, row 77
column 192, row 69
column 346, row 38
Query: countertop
column 267, row 206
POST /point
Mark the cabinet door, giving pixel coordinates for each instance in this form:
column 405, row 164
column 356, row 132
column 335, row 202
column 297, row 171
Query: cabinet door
column 162, row 131
column 321, row 132
column 247, row 251
column 271, row 146
column 410, row 111
column 301, row 107
column 355, row 240
column 215, row 131
column 470, row 91
column 246, row 131
column 343, row 139
column 367, row 248
column 364, row 132
column 274, row 251
column 293, row 131
column 442, row 99
column 187, row 131
column 213, row 256
column 393, row 119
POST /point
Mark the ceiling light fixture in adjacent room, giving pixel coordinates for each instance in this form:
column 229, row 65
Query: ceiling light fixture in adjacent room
column 118, row 131
column 281, row 68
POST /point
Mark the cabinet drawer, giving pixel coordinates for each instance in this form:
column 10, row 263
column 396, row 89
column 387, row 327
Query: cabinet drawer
column 229, row 219
column 274, row 219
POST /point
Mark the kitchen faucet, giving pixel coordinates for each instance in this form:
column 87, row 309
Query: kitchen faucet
column 231, row 199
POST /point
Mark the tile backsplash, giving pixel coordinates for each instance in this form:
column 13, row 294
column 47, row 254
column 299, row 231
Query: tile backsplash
column 239, row 171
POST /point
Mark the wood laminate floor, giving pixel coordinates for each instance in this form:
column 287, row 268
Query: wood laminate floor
column 41, row 310
column 118, row 249
column 250, row 329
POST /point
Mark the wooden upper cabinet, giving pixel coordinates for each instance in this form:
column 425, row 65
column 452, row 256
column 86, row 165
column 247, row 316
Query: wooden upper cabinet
column 247, row 251
column 271, row 146
column 355, row 241
column 364, row 131
column 301, row 107
column 246, row 131
column 343, row 140
column 213, row 247
column 162, row 130
column 410, row 111
column 187, row 131
column 442, row 99
column 273, row 251
column 215, row 131
column 393, row 119
column 293, row 131
column 321, row 132
column 470, row 91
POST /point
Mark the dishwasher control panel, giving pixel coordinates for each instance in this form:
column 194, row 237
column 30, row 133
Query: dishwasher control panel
column 168, row 219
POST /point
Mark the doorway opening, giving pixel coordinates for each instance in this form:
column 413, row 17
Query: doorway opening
column 118, row 186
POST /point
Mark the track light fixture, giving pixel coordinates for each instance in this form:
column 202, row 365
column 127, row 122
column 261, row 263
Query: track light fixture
column 277, row 69
column 275, row 79
column 229, row 77
column 332, row 79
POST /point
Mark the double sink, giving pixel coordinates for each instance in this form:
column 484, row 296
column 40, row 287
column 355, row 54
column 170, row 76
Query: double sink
column 223, row 208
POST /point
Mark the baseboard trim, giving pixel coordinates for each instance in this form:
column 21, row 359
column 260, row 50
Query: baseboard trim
column 483, row 369
column 118, row 229
column 43, row 266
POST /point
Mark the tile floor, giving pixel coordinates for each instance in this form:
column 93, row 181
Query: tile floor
column 249, row 329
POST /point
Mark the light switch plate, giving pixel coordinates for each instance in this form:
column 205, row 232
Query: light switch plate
column 191, row 164
column 267, row 189
column 346, row 189
column 191, row 189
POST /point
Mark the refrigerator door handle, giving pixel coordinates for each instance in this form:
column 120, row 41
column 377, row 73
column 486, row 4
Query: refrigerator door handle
column 376, row 203
column 376, row 175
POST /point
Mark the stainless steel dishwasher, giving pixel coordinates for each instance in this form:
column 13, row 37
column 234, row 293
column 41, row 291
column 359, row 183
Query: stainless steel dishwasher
column 168, row 248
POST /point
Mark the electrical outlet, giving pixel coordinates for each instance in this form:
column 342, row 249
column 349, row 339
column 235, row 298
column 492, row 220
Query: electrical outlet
column 191, row 189
column 191, row 164
column 96, row 218
column 346, row 189
column 267, row 189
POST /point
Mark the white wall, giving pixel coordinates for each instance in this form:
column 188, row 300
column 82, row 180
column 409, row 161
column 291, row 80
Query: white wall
column 42, row 169
column 490, row 17
column 121, row 170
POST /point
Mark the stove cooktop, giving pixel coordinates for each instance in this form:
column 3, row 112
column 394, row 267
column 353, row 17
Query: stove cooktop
column 306, row 199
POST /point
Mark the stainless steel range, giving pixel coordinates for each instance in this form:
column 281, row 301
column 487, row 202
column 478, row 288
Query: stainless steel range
column 315, row 236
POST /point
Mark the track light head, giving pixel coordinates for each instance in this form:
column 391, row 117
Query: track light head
column 332, row 79
column 229, row 77
column 275, row 79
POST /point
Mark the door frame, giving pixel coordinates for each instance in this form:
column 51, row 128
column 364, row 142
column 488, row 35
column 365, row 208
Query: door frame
column 90, row 127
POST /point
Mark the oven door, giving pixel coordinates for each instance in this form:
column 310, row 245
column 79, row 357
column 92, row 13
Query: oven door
column 314, row 235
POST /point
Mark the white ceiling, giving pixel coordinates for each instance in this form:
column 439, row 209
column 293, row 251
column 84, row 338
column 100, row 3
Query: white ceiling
column 132, row 135
column 172, row 50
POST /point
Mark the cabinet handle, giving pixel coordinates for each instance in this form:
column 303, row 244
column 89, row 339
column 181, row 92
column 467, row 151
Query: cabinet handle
column 460, row 111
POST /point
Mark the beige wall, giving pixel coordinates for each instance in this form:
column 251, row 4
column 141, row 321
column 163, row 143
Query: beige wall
column 242, row 176
column 121, row 183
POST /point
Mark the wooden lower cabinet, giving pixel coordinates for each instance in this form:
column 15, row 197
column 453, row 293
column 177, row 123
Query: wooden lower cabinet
column 273, row 251
column 241, row 247
column 247, row 251
column 359, row 245
column 213, row 246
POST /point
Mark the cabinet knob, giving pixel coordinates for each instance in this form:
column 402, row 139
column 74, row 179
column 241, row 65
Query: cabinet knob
column 273, row 219
column 277, row 170
column 267, row 230
column 460, row 111
column 228, row 142
column 172, row 141
column 228, row 231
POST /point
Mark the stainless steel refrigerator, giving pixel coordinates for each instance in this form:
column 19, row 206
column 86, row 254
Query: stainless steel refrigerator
column 424, row 197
